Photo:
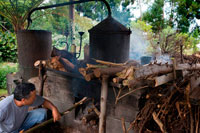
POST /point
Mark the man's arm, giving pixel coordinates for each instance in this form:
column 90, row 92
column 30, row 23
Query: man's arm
column 56, row 115
column 2, row 115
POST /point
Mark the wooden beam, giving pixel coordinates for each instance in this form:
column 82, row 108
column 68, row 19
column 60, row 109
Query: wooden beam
column 188, row 67
column 153, row 69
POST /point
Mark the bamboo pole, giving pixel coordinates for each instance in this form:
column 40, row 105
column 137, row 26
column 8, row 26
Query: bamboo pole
column 104, row 94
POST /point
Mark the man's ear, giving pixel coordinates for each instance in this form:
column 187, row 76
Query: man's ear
column 23, row 100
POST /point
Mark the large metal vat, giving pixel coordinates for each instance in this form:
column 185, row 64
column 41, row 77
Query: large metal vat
column 33, row 45
column 110, row 41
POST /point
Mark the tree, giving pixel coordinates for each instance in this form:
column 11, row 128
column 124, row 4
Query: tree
column 169, row 39
column 154, row 16
column 97, row 10
column 16, row 11
column 56, row 20
column 187, row 11
column 4, row 24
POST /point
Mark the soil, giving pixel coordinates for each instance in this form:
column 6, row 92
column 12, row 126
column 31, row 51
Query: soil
column 77, row 128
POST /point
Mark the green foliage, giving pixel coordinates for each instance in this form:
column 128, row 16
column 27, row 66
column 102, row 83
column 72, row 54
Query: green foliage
column 59, row 41
column 154, row 16
column 188, row 41
column 6, row 68
column 98, row 11
column 16, row 11
column 169, row 39
column 141, row 25
column 181, row 15
column 57, row 21
column 3, row 92
column 4, row 24
column 187, row 11
column 8, row 47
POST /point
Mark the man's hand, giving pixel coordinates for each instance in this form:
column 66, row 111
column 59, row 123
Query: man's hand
column 22, row 131
column 56, row 114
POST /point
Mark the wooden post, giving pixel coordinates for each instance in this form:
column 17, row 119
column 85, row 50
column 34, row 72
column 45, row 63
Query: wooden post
column 42, row 77
column 104, row 94
column 71, row 18
column 174, row 68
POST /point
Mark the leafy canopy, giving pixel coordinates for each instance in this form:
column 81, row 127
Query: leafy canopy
column 16, row 11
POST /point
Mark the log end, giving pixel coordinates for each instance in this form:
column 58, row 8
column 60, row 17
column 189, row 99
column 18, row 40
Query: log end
column 97, row 73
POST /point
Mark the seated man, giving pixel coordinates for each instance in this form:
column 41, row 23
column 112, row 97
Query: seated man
column 14, row 114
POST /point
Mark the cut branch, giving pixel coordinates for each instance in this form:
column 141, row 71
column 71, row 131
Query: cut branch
column 158, row 121
column 107, row 71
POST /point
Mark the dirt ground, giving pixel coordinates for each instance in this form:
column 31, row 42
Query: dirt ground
column 57, row 128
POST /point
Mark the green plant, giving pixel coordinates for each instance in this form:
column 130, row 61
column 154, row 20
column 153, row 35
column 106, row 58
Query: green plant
column 155, row 16
column 8, row 47
column 16, row 11
column 169, row 40
column 6, row 68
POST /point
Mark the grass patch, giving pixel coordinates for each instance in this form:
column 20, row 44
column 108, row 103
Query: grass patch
column 5, row 68
column 3, row 92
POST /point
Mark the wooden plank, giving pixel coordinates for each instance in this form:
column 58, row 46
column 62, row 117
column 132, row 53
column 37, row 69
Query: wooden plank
column 163, row 79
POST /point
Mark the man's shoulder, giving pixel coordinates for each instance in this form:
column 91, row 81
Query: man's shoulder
column 6, row 102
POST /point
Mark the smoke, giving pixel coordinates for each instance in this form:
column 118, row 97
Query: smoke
column 139, row 48
column 138, row 44
column 164, row 59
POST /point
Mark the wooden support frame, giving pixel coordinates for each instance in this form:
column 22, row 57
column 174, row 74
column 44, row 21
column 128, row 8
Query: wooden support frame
column 104, row 94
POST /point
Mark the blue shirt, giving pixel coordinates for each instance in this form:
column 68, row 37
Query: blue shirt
column 12, row 116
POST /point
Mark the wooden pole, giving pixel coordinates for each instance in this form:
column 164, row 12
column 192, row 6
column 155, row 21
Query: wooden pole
column 51, row 120
column 71, row 18
column 104, row 94
column 42, row 77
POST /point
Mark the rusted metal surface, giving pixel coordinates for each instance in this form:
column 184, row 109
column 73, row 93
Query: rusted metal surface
column 110, row 41
column 33, row 45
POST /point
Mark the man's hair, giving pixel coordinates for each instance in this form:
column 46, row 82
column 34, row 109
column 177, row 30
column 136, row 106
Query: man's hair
column 23, row 90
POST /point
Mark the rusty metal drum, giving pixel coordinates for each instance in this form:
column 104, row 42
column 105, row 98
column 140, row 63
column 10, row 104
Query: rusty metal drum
column 33, row 45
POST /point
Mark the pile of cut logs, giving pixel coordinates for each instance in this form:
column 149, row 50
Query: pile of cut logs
column 171, row 98
column 171, row 91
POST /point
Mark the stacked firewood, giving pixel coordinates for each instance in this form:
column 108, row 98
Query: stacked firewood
column 168, row 108
column 91, row 116
column 60, row 60
column 106, row 68
column 168, row 104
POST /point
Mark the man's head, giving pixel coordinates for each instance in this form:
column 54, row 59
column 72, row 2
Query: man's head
column 25, row 93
